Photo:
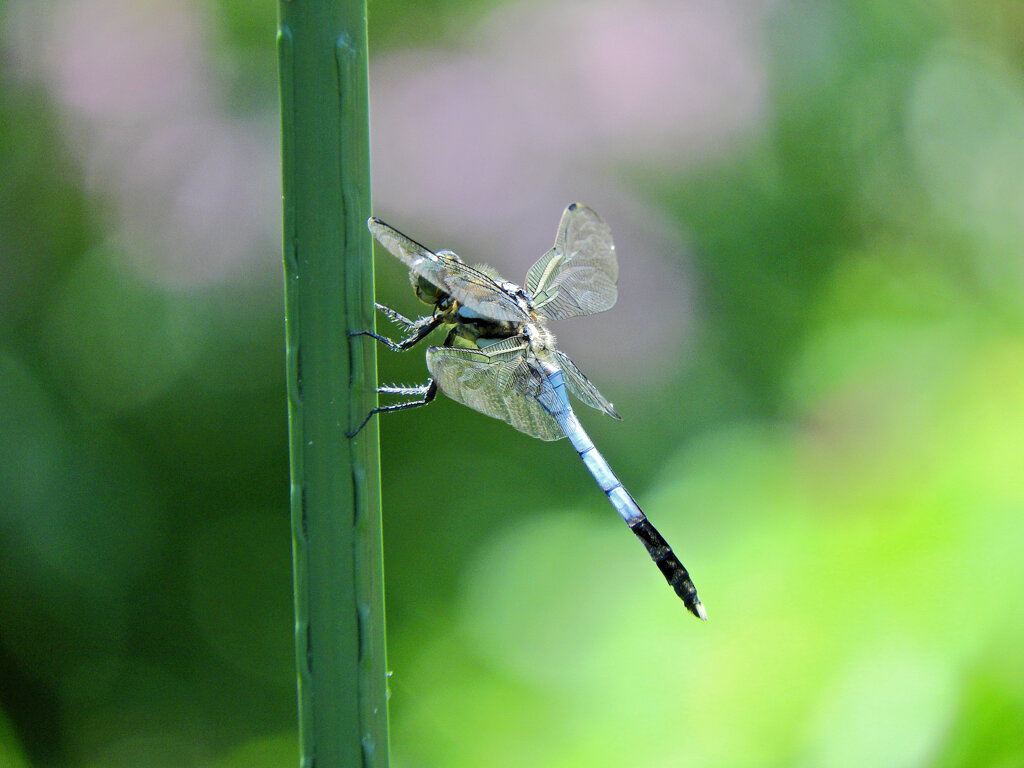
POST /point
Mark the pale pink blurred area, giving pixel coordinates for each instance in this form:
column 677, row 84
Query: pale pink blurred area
column 649, row 82
column 192, row 194
column 538, row 90
column 186, row 263
column 479, row 149
column 126, row 61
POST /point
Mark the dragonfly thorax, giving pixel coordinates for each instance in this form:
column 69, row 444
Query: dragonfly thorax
column 521, row 297
column 539, row 336
column 473, row 326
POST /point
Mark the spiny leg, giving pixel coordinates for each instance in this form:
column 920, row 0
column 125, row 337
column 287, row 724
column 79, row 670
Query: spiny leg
column 420, row 329
column 428, row 392
column 396, row 318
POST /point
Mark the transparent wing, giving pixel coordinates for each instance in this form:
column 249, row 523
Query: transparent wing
column 500, row 381
column 578, row 275
column 469, row 286
column 582, row 387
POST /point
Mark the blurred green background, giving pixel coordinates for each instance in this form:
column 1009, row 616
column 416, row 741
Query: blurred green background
column 818, row 352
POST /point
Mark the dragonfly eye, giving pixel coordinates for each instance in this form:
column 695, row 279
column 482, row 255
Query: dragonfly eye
column 427, row 292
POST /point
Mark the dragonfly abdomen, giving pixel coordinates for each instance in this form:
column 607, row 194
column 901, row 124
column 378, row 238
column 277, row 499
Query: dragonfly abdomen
column 610, row 484
column 661, row 553
column 592, row 458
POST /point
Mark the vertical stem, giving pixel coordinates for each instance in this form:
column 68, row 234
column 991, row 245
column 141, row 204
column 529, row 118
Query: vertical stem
column 335, row 486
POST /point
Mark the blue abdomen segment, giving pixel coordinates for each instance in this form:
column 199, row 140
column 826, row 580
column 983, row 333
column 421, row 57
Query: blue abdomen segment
column 594, row 461
column 557, row 381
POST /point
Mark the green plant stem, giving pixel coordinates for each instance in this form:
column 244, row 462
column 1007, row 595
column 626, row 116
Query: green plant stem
column 335, row 482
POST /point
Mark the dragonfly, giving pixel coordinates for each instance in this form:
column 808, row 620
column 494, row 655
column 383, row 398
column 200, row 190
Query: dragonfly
column 500, row 359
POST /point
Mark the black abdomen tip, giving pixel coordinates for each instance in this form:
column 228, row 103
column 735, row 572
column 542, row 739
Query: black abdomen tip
column 675, row 572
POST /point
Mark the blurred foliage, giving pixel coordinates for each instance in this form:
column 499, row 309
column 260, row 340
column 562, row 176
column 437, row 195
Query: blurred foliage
column 835, row 451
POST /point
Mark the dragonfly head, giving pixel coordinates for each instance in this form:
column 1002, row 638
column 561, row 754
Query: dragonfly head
column 426, row 291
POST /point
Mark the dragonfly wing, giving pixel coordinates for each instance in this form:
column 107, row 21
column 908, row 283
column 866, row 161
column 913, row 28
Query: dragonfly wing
column 578, row 275
column 496, row 383
column 479, row 289
column 468, row 285
column 582, row 387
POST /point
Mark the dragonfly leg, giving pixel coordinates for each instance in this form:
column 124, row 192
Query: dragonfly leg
column 397, row 318
column 419, row 389
column 421, row 329
column 428, row 392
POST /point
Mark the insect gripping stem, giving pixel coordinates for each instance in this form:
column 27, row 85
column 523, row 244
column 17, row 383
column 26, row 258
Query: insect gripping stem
column 506, row 365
